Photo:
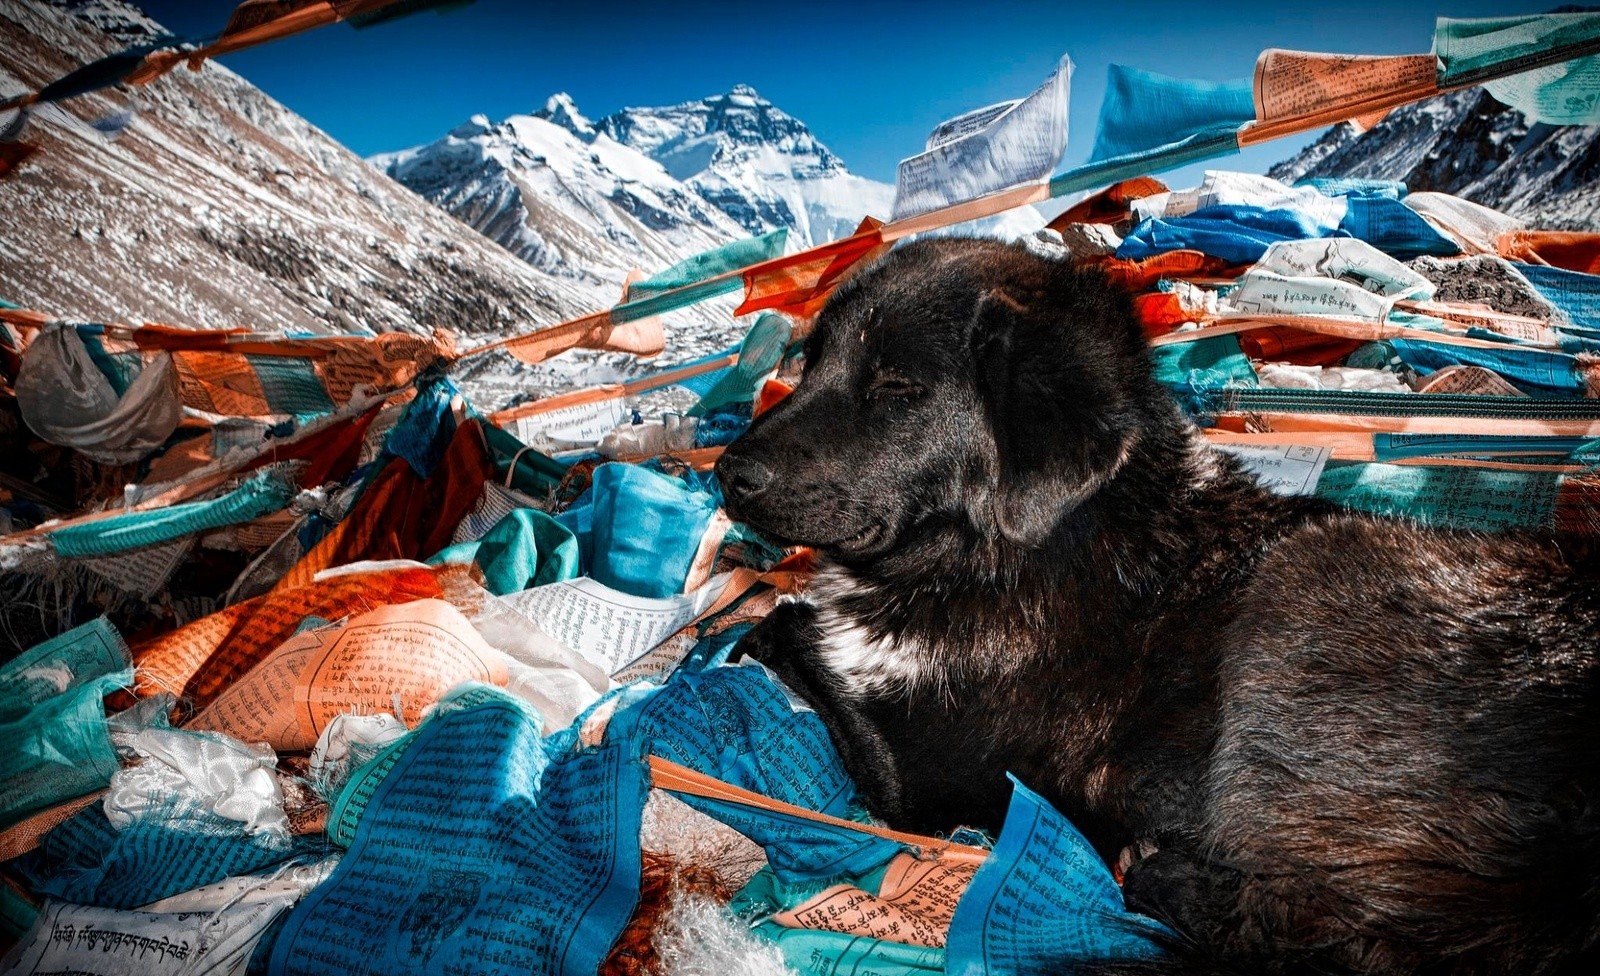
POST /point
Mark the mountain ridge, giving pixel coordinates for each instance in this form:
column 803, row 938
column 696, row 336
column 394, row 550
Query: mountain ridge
column 754, row 166
column 586, row 209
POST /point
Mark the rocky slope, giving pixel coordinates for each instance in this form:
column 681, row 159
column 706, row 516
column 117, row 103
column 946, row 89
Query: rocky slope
column 218, row 207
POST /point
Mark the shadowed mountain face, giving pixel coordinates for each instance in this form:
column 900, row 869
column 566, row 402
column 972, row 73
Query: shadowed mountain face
column 1469, row 144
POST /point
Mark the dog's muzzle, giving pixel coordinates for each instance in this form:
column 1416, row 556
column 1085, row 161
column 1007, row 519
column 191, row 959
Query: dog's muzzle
column 744, row 480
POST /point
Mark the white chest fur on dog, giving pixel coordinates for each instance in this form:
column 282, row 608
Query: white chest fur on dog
column 866, row 662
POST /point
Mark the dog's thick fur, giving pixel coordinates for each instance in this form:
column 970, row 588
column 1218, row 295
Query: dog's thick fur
column 1355, row 744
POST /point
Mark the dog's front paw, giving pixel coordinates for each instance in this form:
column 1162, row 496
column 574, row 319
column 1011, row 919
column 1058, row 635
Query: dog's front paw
column 1131, row 855
column 1189, row 895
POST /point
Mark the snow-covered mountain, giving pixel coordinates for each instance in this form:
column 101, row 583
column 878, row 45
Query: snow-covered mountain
column 562, row 196
column 641, row 188
column 758, row 164
column 1469, row 144
column 218, row 207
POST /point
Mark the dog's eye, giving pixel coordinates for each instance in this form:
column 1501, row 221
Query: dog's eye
column 890, row 385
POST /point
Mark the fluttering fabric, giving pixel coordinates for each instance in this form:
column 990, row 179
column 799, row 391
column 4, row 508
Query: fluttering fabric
column 67, row 400
column 1144, row 110
column 1562, row 93
column 988, row 150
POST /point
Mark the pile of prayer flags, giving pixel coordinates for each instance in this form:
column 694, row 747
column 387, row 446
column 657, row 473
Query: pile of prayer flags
column 344, row 674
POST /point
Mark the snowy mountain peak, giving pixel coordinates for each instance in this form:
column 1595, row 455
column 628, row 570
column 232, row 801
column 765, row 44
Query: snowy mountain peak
column 475, row 126
column 561, row 110
column 734, row 164
column 758, row 164
column 698, row 172
column 218, row 207
column 733, row 127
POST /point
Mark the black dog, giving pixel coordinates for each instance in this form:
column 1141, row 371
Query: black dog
column 1341, row 743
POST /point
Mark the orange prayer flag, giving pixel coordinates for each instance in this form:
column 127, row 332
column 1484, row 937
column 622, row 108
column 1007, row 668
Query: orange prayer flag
column 913, row 904
column 1362, row 123
column 1142, row 275
column 383, row 362
column 198, row 661
column 1300, row 90
column 1159, row 312
column 799, row 284
column 256, row 22
column 401, row 657
column 1110, row 205
column 1284, row 345
column 24, row 318
column 402, row 516
column 219, row 382
column 772, row 394
column 642, row 338
column 1572, row 250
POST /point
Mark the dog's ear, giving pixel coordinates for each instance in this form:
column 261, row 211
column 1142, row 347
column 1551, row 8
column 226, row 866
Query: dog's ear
column 1057, row 430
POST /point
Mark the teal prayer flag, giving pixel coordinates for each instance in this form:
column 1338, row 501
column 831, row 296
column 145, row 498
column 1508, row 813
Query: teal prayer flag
column 1209, row 144
column 759, row 354
column 655, row 295
column 59, row 750
column 638, row 530
column 480, row 850
column 261, row 495
column 1144, row 110
column 708, row 264
column 1535, row 63
column 87, row 859
column 1043, row 901
column 738, row 725
column 526, row 548
column 1479, row 499
column 1473, row 51
column 1209, row 363
column 60, row 664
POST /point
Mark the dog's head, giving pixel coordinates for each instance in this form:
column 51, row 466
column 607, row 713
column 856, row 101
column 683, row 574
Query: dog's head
column 956, row 381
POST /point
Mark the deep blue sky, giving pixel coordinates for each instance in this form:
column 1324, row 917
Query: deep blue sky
column 870, row 78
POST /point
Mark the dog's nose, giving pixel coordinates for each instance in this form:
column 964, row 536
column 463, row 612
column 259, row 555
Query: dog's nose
column 742, row 478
